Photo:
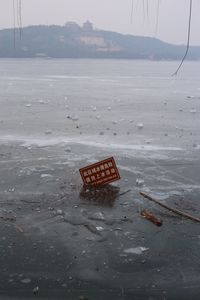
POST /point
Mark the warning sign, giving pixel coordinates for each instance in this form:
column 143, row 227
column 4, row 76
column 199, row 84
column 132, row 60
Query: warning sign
column 100, row 173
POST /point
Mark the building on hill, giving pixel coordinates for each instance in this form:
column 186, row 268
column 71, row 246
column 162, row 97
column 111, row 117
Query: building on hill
column 87, row 26
column 73, row 26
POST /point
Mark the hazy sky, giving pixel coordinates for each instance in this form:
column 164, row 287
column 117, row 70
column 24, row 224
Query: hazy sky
column 112, row 15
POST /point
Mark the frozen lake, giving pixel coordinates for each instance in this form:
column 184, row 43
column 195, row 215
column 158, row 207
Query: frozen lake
column 102, row 102
column 57, row 116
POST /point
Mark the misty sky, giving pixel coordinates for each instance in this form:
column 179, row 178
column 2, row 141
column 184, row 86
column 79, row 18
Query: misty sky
column 114, row 15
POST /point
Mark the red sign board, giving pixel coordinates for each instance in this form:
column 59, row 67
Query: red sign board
column 100, row 173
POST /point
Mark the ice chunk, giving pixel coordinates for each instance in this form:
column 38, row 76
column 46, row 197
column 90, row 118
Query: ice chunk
column 28, row 105
column 46, row 176
column 36, row 290
column 41, row 101
column 139, row 182
column 92, row 228
column 74, row 118
column 140, row 125
column 59, row 212
column 98, row 216
column 136, row 250
column 75, row 219
column 148, row 142
column 68, row 149
column 26, row 280
column 98, row 117
column 48, row 131
column 109, row 108
column 193, row 111
column 94, row 108
column 99, row 228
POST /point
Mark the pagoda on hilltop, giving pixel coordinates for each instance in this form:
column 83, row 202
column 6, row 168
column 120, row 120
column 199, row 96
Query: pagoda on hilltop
column 87, row 26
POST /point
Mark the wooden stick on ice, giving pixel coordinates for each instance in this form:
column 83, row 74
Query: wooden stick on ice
column 174, row 210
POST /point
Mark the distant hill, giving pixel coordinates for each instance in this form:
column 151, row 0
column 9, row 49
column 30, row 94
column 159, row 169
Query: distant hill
column 74, row 41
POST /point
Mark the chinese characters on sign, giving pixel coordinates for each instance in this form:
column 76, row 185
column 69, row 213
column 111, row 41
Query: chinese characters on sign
column 99, row 173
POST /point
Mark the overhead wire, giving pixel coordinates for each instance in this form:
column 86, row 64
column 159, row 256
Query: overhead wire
column 188, row 40
column 14, row 24
column 20, row 17
column 132, row 5
column 157, row 16
column 147, row 10
column 17, row 18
